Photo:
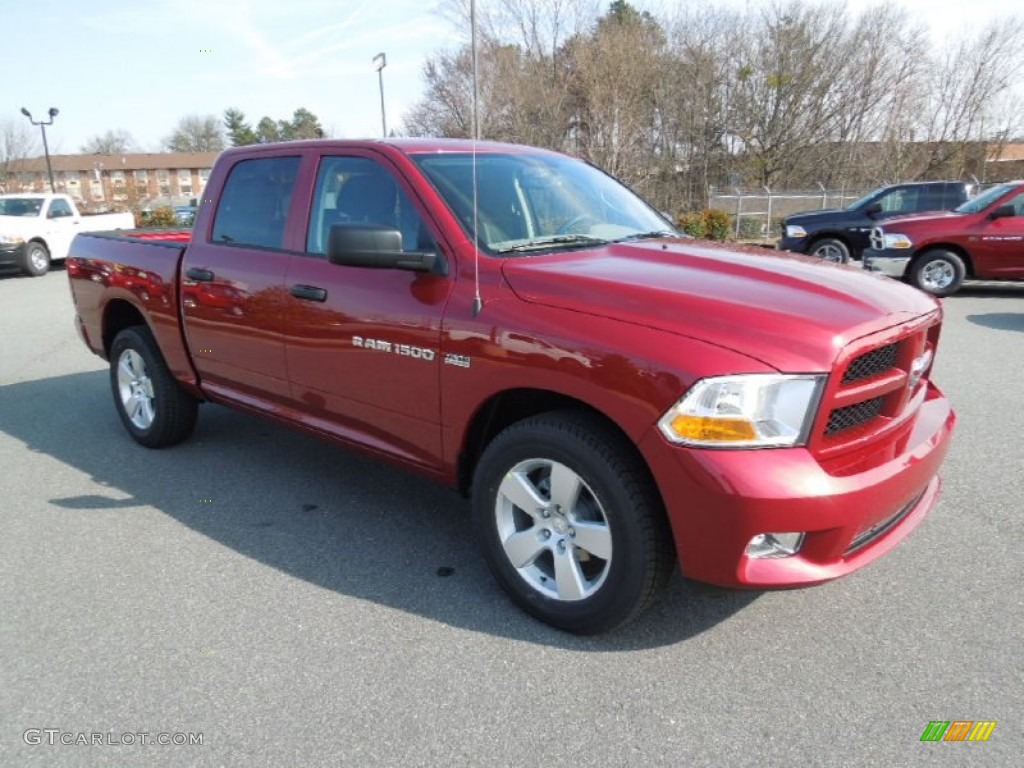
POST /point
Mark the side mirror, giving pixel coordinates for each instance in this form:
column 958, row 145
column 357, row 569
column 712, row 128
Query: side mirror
column 872, row 209
column 378, row 247
column 1002, row 212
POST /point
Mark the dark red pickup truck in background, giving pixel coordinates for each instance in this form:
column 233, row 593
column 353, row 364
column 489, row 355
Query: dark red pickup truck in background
column 614, row 398
column 981, row 239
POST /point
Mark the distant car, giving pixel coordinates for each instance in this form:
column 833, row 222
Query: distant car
column 841, row 234
column 185, row 214
column 36, row 229
column 981, row 239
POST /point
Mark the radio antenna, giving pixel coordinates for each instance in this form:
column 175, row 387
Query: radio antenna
column 478, row 303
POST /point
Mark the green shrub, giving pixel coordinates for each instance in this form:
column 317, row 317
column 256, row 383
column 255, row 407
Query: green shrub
column 693, row 225
column 716, row 224
column 163, row 216
column 750, row 227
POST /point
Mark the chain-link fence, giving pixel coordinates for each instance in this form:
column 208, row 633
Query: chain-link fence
column 758, row 215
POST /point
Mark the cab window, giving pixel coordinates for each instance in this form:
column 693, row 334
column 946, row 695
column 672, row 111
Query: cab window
column 254, row 203
column 60, row 208
column 359, row 191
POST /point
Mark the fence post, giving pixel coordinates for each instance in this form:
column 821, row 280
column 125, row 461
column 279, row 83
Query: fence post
column 739, row 209
column 824, row 195
column 768, row 216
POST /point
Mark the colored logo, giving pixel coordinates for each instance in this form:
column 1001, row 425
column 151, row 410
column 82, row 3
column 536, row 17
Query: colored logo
column 958, row 730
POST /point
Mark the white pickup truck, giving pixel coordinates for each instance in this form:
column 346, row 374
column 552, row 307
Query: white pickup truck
column 36, row 229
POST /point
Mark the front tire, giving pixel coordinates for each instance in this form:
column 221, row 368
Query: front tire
column 36, row 259
column 570, row 522
column 831, row 249
column 153, row 407
column 938, row 272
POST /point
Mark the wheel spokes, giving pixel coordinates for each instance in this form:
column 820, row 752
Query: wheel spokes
column 523, row 548
column 595, row 538
column 518, row 489
column 565, row 487
column 568, row 576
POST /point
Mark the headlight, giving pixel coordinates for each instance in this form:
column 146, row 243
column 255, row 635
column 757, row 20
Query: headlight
column 745, row 411
column 11, row 239
column 896, row 240
column 792, row 230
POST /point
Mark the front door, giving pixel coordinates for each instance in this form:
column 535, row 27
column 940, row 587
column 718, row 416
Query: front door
column 363, row 344
column 999, row 250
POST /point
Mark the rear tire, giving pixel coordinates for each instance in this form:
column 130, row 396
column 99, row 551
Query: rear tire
column 938, row 272
column 831, row 249
column 153, row 407
column 35, row 261
column 570, row 522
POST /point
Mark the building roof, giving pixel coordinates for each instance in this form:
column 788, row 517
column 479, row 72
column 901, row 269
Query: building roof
column 143, row 161
column 1006, row 153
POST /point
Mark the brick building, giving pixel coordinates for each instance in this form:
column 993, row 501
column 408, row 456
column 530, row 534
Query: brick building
column 123, row 180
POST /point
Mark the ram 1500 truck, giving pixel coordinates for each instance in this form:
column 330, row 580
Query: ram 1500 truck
column 842, row 234
column 36, row 229
column 982, row 239
column 613, row 397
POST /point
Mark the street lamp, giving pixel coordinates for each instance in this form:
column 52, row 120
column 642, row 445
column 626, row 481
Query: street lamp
column 379, row 62
column 46, row 149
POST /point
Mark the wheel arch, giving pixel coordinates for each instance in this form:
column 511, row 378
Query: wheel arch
column 119, row 314
column 503, row 409
column 959, row 250
column 817, row 237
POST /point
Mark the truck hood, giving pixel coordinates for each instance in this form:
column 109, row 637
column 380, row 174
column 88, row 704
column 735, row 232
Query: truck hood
column 891, row 223
column 23, row 226
column 829, row 214
column 790, row 312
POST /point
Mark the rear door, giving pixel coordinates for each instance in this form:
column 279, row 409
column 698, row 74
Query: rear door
column 363, row 344
column 233, row 295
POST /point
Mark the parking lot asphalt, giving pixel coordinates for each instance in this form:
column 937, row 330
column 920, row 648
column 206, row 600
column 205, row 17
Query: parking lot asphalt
column 296, row 604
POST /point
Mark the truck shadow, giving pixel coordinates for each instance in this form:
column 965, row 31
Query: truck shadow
column 316, row 512
column 1001, row 321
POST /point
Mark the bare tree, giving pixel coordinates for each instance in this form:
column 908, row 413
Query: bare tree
column 787, row 93
column 18, row 141
column 112, row 142
column 196, row 133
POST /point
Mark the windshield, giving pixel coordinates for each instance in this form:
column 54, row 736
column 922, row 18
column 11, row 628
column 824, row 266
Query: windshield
column 856, row 204
column 984, row 200
column 20, row 206
column 532, row 201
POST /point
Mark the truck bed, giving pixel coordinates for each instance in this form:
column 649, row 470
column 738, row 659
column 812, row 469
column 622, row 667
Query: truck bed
column 110, row 271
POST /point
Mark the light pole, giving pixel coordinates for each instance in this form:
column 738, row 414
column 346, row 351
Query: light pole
column 379, row 62
column 46, row 149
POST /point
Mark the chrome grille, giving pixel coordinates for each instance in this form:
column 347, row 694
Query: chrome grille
column 877, row 239
column 871, row 363
column 853, row 415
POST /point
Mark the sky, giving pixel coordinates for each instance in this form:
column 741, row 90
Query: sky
column 141, row 65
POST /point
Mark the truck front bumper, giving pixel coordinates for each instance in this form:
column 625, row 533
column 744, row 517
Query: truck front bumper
column 794, row 244
column 720, row 501
column 11, row 253
column 887, row 262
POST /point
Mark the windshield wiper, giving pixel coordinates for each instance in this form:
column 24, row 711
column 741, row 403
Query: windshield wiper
column 653, row 234
column 546, row 242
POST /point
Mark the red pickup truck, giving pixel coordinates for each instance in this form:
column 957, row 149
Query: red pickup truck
column 614, row 398
column 981, row 239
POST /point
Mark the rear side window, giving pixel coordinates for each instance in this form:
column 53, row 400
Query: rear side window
column 60, row 208
column 254, row 203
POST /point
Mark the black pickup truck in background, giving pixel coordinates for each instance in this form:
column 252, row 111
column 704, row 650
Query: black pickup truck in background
column 840, row 234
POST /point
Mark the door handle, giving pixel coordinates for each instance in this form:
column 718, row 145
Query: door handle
column 199, row 275
column 309, row 293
